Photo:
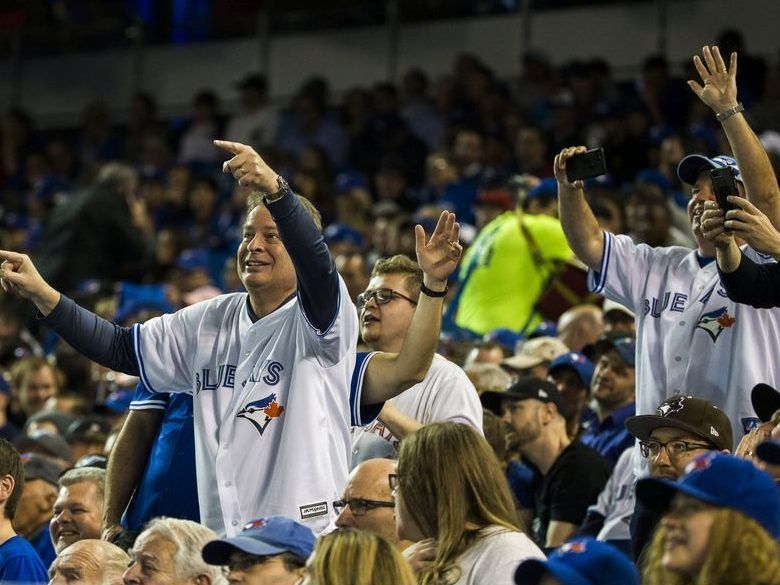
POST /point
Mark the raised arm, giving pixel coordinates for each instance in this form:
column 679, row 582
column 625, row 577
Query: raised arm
column 719, row 92
column 577, row 220
column 98, row 339
column 389, row 374
column 126, row 466
column 318, row 283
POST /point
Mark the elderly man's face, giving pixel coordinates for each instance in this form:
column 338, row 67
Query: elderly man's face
column 152, row 562
column 77, row 514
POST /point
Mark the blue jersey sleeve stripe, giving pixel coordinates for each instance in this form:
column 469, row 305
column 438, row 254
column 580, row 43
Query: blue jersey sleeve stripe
column 356, row 387
column 600, row 278
column 150, row 405
column 136, row 333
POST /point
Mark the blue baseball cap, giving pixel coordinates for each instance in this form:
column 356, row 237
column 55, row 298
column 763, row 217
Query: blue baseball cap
column 546, row 189
column 584, row 561
column 625, row 346
column 689, row 168
column 194, row 259
column 504, row 337
column 338, row 233
column 769, row 452
column 349, row 180
column 581, row 365
column 721, row 480
column 263, row 537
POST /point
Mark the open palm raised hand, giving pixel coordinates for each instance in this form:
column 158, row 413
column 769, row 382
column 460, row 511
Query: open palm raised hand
column 439, row 256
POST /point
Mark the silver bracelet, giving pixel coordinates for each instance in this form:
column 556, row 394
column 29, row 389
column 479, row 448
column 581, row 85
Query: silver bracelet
column 723, row 116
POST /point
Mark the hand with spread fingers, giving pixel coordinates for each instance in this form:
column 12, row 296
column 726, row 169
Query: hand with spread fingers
column 559, row 167
column 248, row 167
column 719, row 89
column 746, row 223
column 439, row 256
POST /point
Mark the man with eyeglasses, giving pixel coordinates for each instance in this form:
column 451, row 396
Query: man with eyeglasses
column 682, row 428
column 368, row 501
column 268, row 551
column 445, row 393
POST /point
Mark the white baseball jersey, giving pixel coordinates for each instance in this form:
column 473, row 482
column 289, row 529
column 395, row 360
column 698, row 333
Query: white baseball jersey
column 617, row 500
column 691, row 338
column 271, row 405
column 446, row 394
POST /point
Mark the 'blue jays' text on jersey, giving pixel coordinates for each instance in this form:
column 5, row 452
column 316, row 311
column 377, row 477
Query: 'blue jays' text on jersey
column 271, row 403
column 691, row 338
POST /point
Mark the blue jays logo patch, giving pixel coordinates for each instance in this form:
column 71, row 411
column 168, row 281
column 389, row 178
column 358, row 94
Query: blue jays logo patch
column 671, row 405
column 701, row 463
column 261, row 412
column 716, row 322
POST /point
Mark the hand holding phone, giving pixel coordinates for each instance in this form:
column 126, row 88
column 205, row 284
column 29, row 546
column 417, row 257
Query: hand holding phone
column 587, row 165
column 724, row 184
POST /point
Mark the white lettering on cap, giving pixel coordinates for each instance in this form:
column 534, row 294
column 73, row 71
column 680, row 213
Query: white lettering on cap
column 713, row 432
column 543, row 394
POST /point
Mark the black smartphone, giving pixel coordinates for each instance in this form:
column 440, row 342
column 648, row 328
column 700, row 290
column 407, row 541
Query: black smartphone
column 586, row 165
column 724, row 184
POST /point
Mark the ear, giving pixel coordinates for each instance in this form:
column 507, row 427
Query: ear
column 7, row 485
column 202, row 580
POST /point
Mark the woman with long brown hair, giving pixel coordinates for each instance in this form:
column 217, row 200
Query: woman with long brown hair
column 720, row 525
column 453, row 499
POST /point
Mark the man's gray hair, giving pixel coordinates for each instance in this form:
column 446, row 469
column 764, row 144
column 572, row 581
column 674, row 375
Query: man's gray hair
column 488, row 377
column 85, row 474
column 189, row 538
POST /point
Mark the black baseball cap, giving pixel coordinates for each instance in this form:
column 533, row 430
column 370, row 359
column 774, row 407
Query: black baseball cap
column 523, row 389
column 40, row 467
column 695, row 415
column 766, row 401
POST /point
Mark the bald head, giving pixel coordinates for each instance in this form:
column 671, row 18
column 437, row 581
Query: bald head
column 90, row 562
column 580, row 326
column 369, row 481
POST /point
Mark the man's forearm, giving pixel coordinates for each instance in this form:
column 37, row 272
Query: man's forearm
column 754, row 167
column 127, row 462
column 397, row 422
column 318, row 285
column 580, row 226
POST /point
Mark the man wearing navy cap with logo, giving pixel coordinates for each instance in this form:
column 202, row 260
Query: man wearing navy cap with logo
column 613, row 389
column 568, row 475
column 268, row 551
column 572, row 374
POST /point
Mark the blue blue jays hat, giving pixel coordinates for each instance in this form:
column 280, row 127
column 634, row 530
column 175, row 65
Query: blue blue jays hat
column 769, row 452
column 349, row 180
column 546, row 189
column 581, row 365
column 721, row 480
column 583, row 561
column 194, row 259
column 689, row 168
column 263, row 537
column 625, row 346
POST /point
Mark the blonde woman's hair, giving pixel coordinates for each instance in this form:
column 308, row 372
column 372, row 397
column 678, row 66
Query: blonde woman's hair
column 740, row 552
column 354, row 557
column 449, row 476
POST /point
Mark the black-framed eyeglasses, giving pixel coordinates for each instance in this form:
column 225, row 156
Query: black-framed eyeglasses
column 674, row 448
column 392, row 479
column 381, row 296
column 360, row 506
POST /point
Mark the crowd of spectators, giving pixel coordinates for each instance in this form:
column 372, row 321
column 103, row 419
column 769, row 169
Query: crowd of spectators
column 544, row 428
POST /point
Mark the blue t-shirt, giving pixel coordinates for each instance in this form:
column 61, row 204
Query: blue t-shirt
column 43, row 545
column 168, row 486
column 19, row 563
column 610, row 436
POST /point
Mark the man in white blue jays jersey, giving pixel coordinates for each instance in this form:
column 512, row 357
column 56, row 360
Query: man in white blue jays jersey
column 269, row 370
column 691, row 339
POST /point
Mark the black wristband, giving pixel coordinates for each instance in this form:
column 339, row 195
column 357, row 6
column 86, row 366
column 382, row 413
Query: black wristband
column 432, row 293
